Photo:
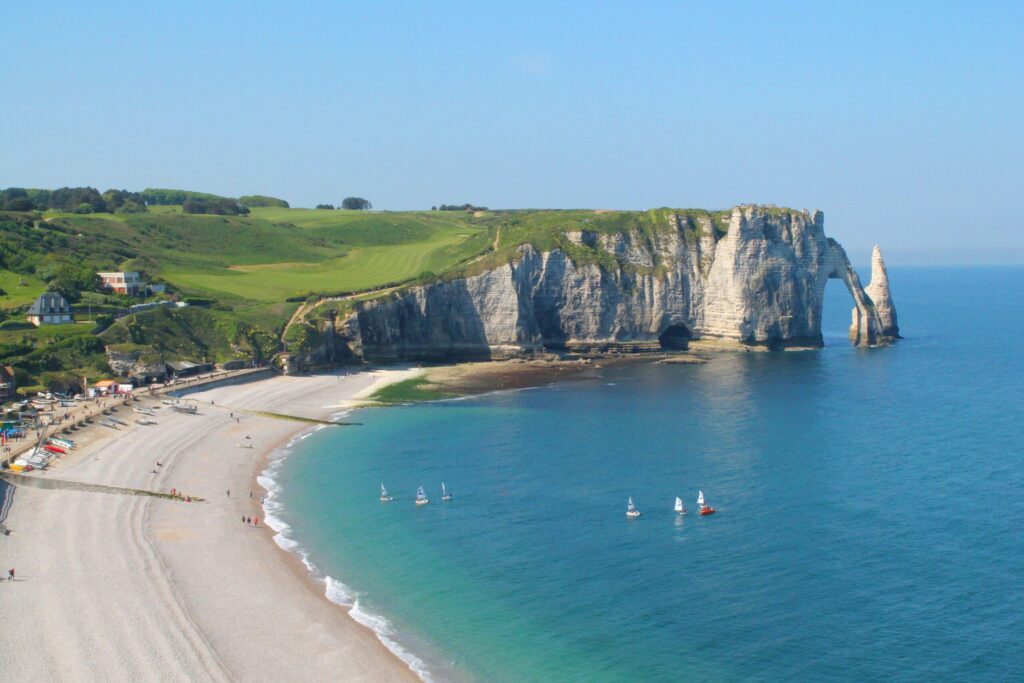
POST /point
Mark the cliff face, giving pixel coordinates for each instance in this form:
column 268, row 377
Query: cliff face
column 762, row 282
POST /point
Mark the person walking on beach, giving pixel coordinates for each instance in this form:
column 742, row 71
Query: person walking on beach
column 228, row 493
column 250, row 493
column 243, row 519
column 10, row 574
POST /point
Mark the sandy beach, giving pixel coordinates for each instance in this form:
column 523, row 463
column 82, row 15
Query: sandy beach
column 119, row 587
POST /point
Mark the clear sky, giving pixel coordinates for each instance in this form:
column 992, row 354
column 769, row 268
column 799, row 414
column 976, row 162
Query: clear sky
column 902, row 121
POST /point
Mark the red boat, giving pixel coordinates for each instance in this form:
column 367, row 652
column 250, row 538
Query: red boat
column 705, row 509
column 54, row 449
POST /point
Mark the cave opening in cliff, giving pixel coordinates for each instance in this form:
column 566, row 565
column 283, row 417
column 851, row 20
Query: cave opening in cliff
column 675, row 338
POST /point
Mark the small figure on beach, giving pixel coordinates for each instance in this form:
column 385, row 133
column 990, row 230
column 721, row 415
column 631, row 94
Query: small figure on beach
column 10, row 574
column 247, row 520
column 250, row 493
column 256, row 521
column 159, row 464
column 243, row 519
column 228, row 493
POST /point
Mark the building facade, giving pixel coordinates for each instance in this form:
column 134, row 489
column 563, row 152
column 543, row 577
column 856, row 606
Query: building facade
column 50, row 308
column 124, row 282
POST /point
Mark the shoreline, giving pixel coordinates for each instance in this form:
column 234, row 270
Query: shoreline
column 141, row 587
column 200, row 577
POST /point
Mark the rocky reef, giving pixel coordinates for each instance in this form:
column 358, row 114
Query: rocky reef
column 760, row 280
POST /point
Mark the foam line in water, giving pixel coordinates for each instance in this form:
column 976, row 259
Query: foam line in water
column 335, row 591
column 340, row 594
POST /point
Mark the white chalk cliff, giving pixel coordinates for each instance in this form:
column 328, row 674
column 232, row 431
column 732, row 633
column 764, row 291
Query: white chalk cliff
column 762, row 282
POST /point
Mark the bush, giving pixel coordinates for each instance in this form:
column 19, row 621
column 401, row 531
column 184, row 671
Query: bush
column 199, row 301
column 254, row 200
column 217, row 206
column 325, row 206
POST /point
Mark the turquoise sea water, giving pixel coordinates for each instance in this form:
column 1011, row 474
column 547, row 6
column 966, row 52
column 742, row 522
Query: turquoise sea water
column 869, row 526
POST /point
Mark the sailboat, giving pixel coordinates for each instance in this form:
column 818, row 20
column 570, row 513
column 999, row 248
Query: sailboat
column 445, row 496
column 384, row 497
column 680, row 508
column 421, row 497
column 705, row 509
column 631, row 510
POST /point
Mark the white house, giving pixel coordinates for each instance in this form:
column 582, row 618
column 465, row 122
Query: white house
column 50, row 308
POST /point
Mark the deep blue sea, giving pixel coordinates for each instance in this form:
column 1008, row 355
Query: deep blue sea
column 870, row 520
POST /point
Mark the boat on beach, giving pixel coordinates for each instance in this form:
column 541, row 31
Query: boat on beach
column 631, row 510
column 188, row 408
column 680, row 508
column 705, row 509
column 384, row 496
column 421, row 497
column 445, row 496
column 144, row 421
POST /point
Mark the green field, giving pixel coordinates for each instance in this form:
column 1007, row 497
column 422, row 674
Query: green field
column 371, row 251
column 18, row 296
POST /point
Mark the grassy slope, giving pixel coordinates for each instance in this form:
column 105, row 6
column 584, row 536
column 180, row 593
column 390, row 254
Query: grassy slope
column 18, row 296
column 279, row 253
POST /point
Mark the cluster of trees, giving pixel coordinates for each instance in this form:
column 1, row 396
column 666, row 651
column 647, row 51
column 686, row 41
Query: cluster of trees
column 458, row 207
column 356, row 204
column 220, row 206
column 255, row 200
column 350, row 203
column 72, row 200
column 70, row 278
column 164, row 197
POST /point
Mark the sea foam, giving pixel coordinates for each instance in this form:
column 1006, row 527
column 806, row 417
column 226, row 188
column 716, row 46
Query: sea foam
column 335, row 590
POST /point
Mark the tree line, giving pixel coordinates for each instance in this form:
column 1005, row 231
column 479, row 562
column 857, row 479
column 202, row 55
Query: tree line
column 350, row 203
column 72, row 200
column 458, row 207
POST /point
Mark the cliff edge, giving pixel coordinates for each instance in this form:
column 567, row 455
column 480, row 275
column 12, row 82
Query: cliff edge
column 757, row 280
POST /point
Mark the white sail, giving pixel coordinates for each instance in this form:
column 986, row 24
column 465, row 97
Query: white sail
column 629, row 505
column 700, row 498
column 443, row 491
column 679, row 504
column 420, row 495
column 383, row 491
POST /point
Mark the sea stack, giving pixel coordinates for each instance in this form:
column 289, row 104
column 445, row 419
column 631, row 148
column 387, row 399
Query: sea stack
column 878, row 290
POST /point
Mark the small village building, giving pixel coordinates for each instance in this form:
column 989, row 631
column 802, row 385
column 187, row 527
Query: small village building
column 184, row 368
column 110, row 387
column 124, row 282
column 51, row 308
column 8, row 387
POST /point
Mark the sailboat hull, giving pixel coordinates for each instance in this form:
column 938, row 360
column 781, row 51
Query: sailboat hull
column 707, row 511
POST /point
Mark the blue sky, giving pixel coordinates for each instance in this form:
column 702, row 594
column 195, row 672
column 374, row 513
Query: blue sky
column 902, row 121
